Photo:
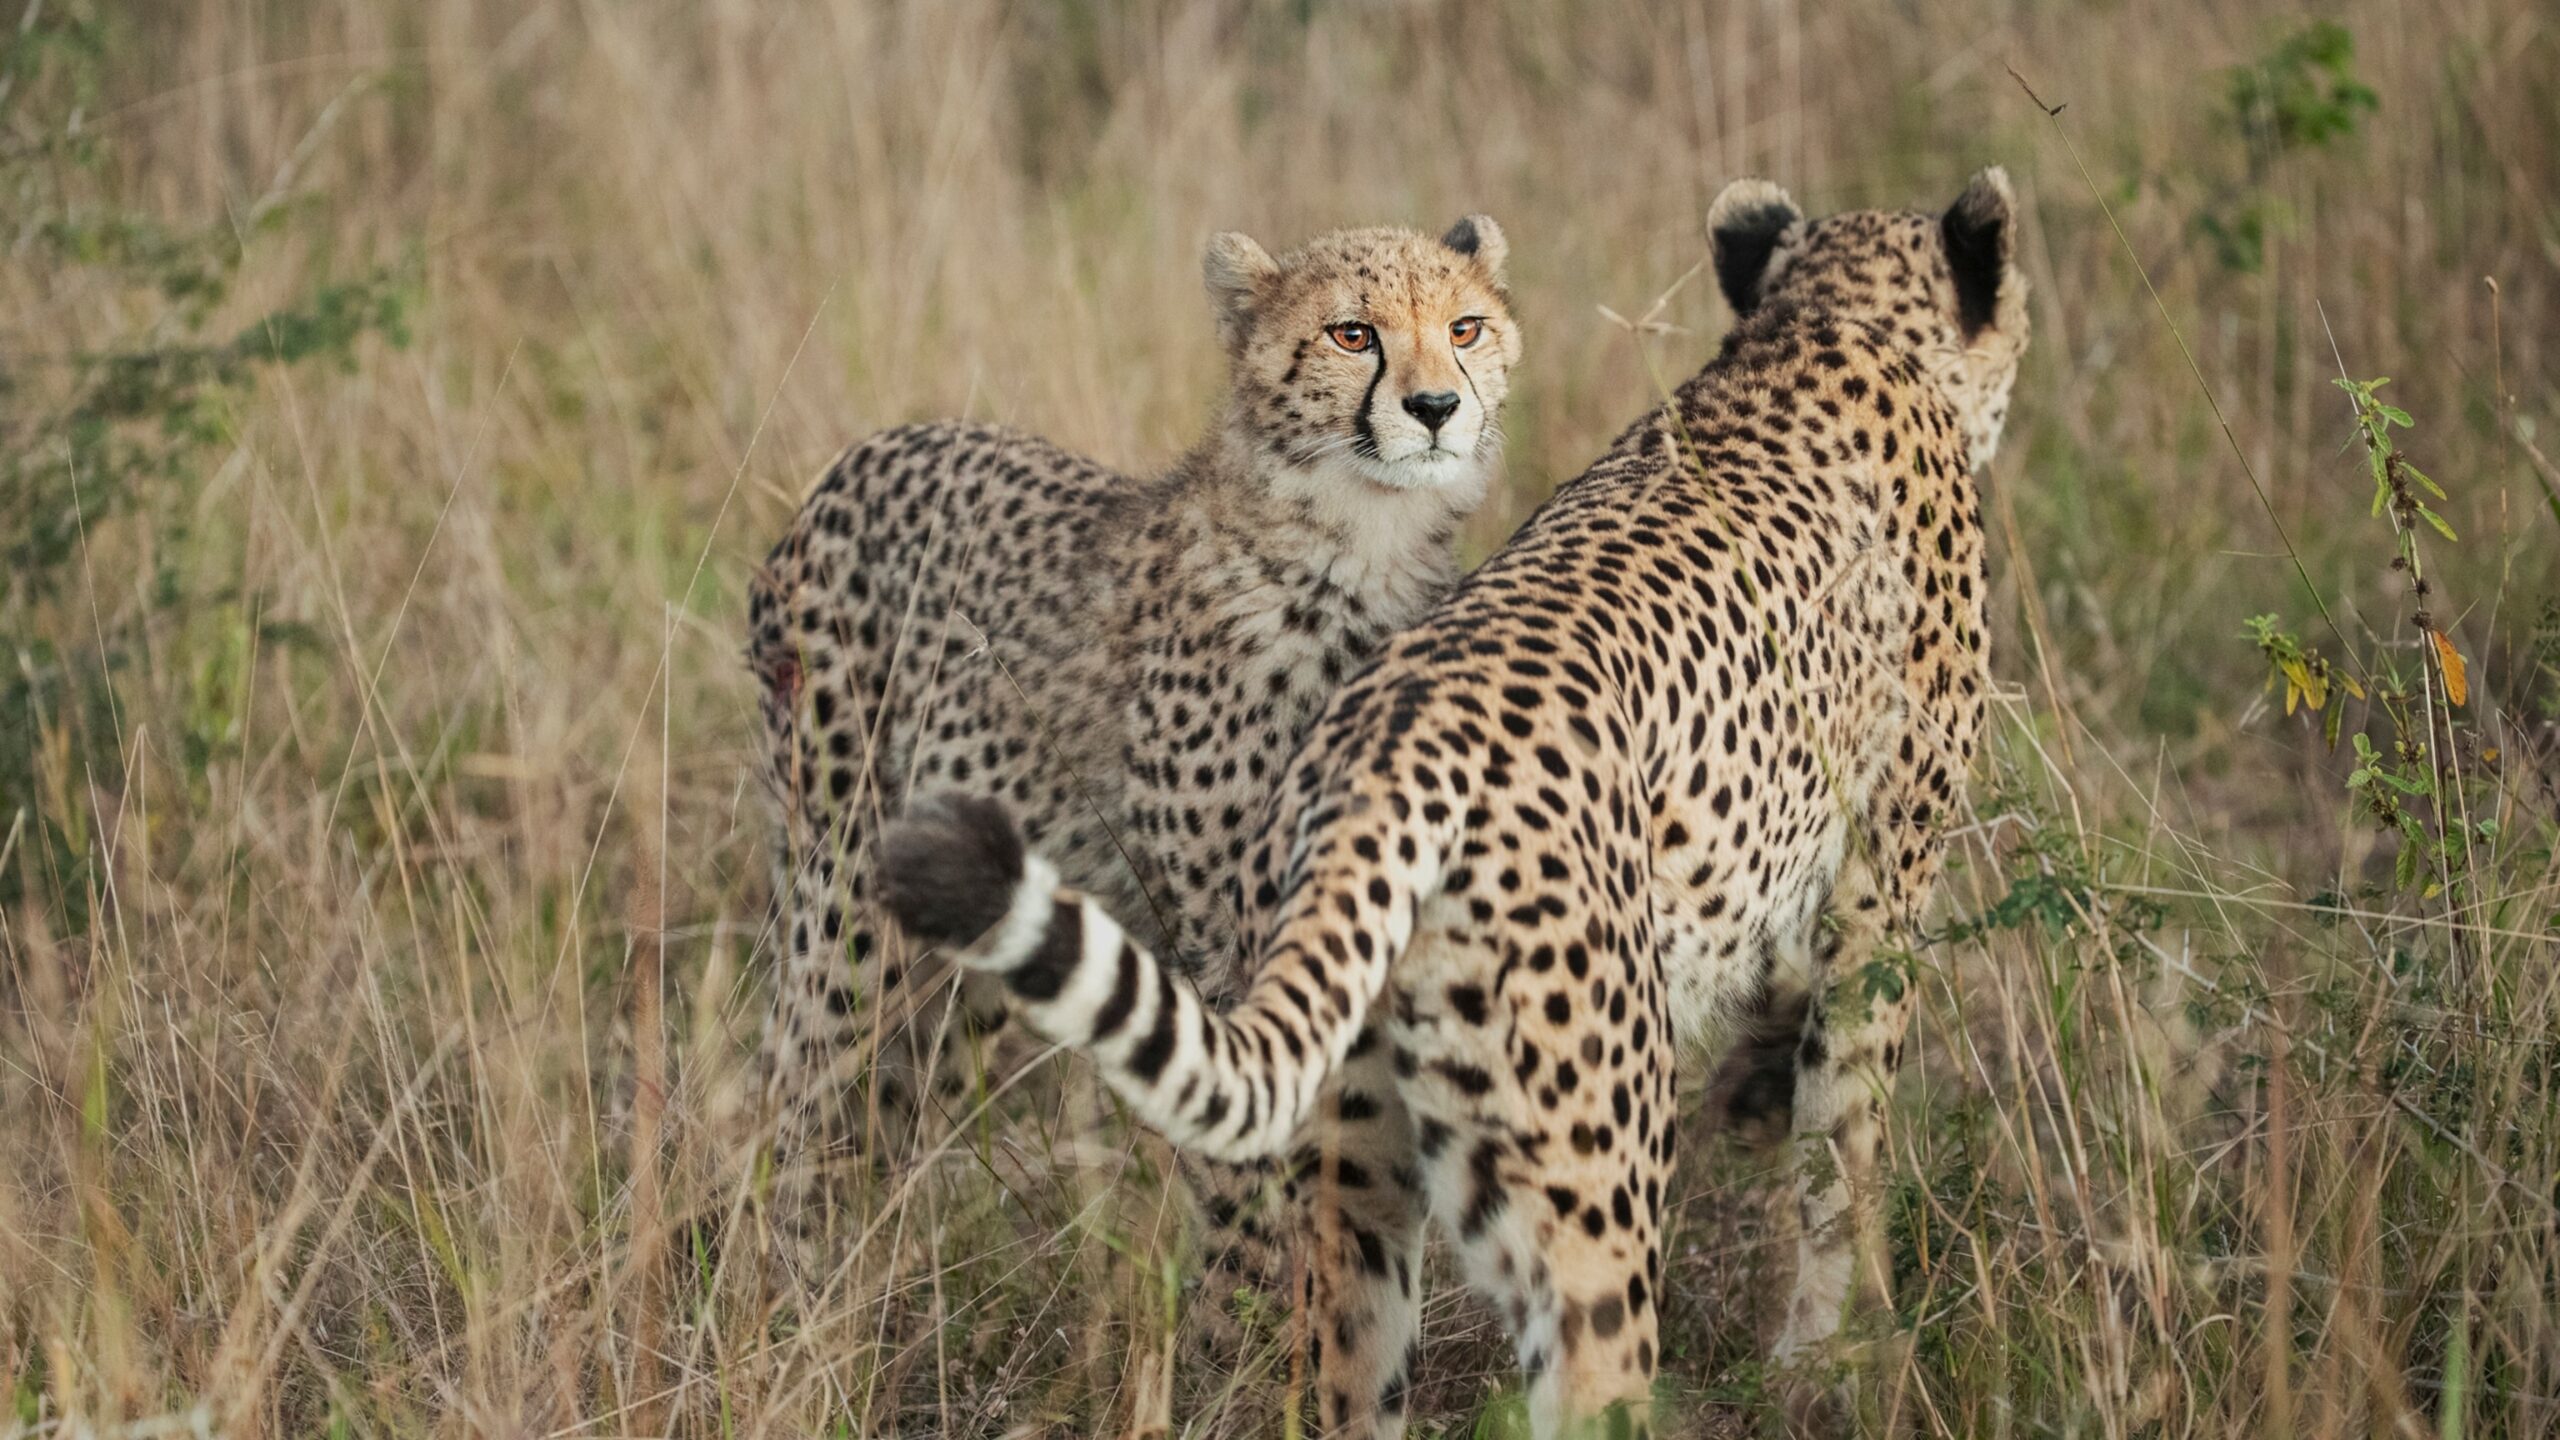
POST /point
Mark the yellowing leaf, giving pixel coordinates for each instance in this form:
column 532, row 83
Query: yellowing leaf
column 2457, row 683
column 2301, row 685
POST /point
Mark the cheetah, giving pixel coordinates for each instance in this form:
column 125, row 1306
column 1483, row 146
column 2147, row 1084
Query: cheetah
column 1128, row 663
column 1677, row 759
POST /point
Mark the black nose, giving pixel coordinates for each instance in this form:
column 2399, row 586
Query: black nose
column 1432, row 407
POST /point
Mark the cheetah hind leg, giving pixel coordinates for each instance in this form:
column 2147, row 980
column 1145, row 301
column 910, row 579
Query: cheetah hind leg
column 1578, row 1303
column 1564, row 1233
column 1341, row 1241
column 1361, row 1209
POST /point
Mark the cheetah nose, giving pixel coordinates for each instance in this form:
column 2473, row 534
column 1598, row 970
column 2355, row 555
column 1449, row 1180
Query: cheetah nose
column 1432, row 407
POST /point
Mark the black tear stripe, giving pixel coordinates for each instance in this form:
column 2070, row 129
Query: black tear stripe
column 1367, row 448
column 1459, row 359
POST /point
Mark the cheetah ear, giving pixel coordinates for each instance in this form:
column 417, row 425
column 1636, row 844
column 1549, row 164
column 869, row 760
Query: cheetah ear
column 1235, row 267
column 1981, row 235
column 1744, row 226
column 1478, row 236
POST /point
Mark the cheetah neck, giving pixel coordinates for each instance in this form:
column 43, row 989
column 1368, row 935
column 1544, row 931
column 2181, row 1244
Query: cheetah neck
column 1391, row 547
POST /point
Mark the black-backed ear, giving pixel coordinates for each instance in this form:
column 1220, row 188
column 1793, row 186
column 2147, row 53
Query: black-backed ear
column 1744, row 226
column 1981, row 235
column 1234, row 267
column 1478, row 236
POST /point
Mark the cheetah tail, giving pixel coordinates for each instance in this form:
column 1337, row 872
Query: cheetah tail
column 1232, row 1085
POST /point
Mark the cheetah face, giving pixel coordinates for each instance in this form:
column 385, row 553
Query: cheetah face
column 1947, row 285
column 1377, row 357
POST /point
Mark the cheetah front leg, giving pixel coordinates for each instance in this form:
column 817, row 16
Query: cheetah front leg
column 1846, row 1058
column 1249, row 1233
column 863, row 1046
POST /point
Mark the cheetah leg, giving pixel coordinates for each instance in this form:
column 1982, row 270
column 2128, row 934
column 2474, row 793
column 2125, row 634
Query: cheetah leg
column 818, row 1056
column 1251, row 1229
column 1247, row 1231
column 1363, row 1212
column 864, row 1046
column 1849, row 1049
column 1579, row 1305
column 1565, row 1234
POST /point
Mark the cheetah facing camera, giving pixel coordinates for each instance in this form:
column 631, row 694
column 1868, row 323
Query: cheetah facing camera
column 1128, row 663
column 1675, row 760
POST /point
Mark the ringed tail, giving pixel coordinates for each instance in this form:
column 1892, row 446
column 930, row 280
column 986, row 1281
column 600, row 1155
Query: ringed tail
column 1234, row 1085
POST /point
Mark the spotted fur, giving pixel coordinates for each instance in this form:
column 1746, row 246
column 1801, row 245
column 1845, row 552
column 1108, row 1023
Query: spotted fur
column 1127, row 663
column 1673, row 763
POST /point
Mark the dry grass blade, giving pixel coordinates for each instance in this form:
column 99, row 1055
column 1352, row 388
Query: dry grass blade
column 397, row 398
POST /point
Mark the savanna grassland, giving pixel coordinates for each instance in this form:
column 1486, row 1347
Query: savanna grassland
column 396, row 397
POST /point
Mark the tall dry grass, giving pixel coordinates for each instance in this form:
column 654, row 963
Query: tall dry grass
column 384, row 917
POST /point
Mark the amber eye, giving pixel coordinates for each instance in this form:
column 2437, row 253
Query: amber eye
column 1463, row 333
column 1353, row 336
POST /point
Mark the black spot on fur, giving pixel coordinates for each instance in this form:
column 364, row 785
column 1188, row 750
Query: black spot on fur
column 1608, row 1317
column 1147, row 1062
column 1486, row 1199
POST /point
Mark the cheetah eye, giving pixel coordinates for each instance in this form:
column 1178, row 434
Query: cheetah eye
column 1353, row 336
column 1463, row 332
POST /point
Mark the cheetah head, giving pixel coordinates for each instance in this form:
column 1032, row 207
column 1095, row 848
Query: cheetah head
column 1378, row 357
column 1946, row 284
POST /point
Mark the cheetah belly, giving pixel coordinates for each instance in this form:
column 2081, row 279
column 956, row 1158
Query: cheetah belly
column 1735, row 936
column 1724, row 963
column 1739, row 908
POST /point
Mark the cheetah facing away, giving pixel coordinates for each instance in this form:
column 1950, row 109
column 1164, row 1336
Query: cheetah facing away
column 1128, row 663
column 1675, row 761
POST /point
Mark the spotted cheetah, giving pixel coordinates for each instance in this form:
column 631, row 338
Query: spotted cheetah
column 1128, row 663
column 1677, row 759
